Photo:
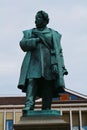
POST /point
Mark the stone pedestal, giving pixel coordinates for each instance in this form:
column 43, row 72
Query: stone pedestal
column 42, row 121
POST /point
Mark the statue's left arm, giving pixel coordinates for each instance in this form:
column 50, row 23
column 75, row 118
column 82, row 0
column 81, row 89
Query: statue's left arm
column 65, row 72
column 59, row 54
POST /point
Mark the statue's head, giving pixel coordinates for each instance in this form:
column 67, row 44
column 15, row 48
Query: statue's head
column 41, row 19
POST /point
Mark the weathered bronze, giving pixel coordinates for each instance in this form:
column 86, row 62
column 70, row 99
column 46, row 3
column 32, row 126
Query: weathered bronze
column 43, row 67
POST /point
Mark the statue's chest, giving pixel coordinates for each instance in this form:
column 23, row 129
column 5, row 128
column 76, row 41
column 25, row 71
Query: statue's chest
column 48, row 37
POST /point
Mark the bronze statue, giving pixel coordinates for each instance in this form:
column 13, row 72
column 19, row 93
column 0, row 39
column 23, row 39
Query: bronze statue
column 43, row 67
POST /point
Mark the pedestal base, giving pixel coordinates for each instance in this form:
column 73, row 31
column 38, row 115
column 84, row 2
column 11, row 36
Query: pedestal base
column 42, row 122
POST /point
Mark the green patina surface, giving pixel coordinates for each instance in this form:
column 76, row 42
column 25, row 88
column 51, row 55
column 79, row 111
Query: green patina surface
column 41, row 113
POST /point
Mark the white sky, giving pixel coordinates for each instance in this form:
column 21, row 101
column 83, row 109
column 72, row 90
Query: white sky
column 68, row 17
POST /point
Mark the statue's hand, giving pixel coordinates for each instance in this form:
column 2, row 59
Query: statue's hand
column 54, row 69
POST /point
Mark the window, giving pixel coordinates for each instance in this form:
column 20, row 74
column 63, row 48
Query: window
column 84, row 128
column 9, row 125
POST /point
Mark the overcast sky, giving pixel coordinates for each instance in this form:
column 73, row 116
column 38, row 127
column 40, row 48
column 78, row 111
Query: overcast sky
column 68, row 17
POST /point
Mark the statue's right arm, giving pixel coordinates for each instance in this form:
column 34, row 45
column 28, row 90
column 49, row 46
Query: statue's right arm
column 28, row 44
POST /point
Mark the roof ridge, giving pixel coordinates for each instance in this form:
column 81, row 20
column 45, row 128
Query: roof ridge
column 76, row 93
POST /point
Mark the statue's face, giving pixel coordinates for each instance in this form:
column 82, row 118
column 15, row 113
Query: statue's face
column 39, row 21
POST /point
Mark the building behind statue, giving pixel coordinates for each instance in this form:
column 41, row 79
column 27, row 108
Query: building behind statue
column 72, row 105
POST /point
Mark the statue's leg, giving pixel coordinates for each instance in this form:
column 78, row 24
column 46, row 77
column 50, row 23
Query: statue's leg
column 47, row 94
column 30, row 94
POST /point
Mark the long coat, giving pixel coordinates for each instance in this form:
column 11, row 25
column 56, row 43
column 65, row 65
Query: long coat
column 59, row 83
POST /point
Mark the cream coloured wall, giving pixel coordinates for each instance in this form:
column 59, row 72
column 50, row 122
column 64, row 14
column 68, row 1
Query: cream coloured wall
column 9, row 115
column 17, row 116
column 1, row 120
column 84, row 118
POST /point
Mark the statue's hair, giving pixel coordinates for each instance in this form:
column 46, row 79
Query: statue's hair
column 44, row 15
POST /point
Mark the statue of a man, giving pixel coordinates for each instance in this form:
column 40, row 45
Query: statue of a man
column 43, row 67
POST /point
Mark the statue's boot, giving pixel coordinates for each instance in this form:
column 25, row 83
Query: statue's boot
column 30, row 95
column 47, row 94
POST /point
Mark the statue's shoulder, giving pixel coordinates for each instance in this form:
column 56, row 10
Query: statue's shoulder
column 27, row 31
column 55, row 32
